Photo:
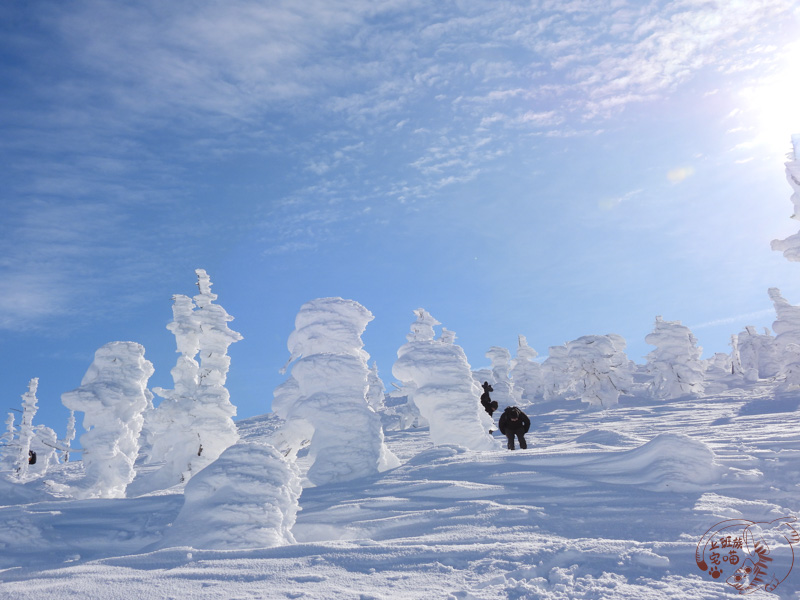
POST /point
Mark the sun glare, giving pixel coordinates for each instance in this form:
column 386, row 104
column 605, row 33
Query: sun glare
column 774, row 106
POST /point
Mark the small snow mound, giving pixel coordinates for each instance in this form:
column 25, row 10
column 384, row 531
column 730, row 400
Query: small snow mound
column 669, row 462
column 606, row 437
column 247, row 498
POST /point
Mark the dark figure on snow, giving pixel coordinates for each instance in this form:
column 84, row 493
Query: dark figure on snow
column 514, row 422
column 31, row 457
column 486, row 400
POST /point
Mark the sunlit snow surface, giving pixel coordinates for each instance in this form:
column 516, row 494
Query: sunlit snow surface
column 602, row 505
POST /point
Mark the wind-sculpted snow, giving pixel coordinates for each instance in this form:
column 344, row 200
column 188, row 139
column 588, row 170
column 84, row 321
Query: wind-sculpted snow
column 602, row 505
column 324, row 399
column 112, row 397
column 442, row 387
column 526, row 374
column 247, row 498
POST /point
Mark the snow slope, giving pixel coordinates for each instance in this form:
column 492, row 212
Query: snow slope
column 604, row 504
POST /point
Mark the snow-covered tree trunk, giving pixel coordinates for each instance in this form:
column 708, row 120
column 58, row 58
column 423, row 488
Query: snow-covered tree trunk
column 526, row 374
column 44, row 444
column 26, row 433
column 69, row 435
column 675, row 363
column 112, row 396
column 324, row 398
column 444, row 389
column 757, row 355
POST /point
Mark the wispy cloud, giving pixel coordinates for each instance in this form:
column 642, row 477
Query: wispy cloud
column 743, row 320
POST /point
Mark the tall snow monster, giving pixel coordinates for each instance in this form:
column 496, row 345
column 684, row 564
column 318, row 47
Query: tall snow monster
column 791, row 245
column 112, row 396
column 325, row 397
column 194, row 424
column 787, row 338
column 675, row 363
column 440, row 381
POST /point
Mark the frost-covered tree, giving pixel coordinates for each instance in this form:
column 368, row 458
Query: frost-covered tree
column 375, row 391
column 602, row 370
column 248, row 498
column 558, row 378
column 194, row 424
column 791, row 245
column 69, row 435
column 443, row 387
column 756, row 355
column 675, row 364
column 8, row 446
column 26, row 432
column 112, row 397
column 787, row 338
column 501, row 365
column 526, row 374
column 324, row 399
column 44, row 443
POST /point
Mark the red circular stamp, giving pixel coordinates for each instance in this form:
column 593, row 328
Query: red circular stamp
column 749, row 555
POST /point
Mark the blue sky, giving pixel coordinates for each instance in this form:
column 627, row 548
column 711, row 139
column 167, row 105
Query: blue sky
column 546, row 168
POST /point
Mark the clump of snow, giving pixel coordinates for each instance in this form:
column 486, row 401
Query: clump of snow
column 247, row 498
column 193, row 425
column 112, row 396
column 441, row 385
column 324, row 398
column 675, row 363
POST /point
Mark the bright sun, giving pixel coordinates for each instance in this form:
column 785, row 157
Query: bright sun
column 774, row 106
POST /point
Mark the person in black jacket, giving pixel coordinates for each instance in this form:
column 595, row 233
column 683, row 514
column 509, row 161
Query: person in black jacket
column 514, row 422
column 486, row 400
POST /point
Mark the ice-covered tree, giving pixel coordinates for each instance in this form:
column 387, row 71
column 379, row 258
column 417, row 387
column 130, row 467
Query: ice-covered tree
column 602, row 370
column 248, row 498
column 503, row 387
column 375, row 392
column 8, row 446
column 756, row 355
column 791, row 245
column 526, row 374
column 324, row 399
column 787, row 338
column 442, row 387
column 558, row 378
column 26, row 432
column 675, row 364
column 44, row 443
column 69, row 435
column 194, row 424
column 112, row 397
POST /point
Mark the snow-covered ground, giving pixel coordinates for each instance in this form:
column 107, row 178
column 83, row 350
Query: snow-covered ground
column 603, row 504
